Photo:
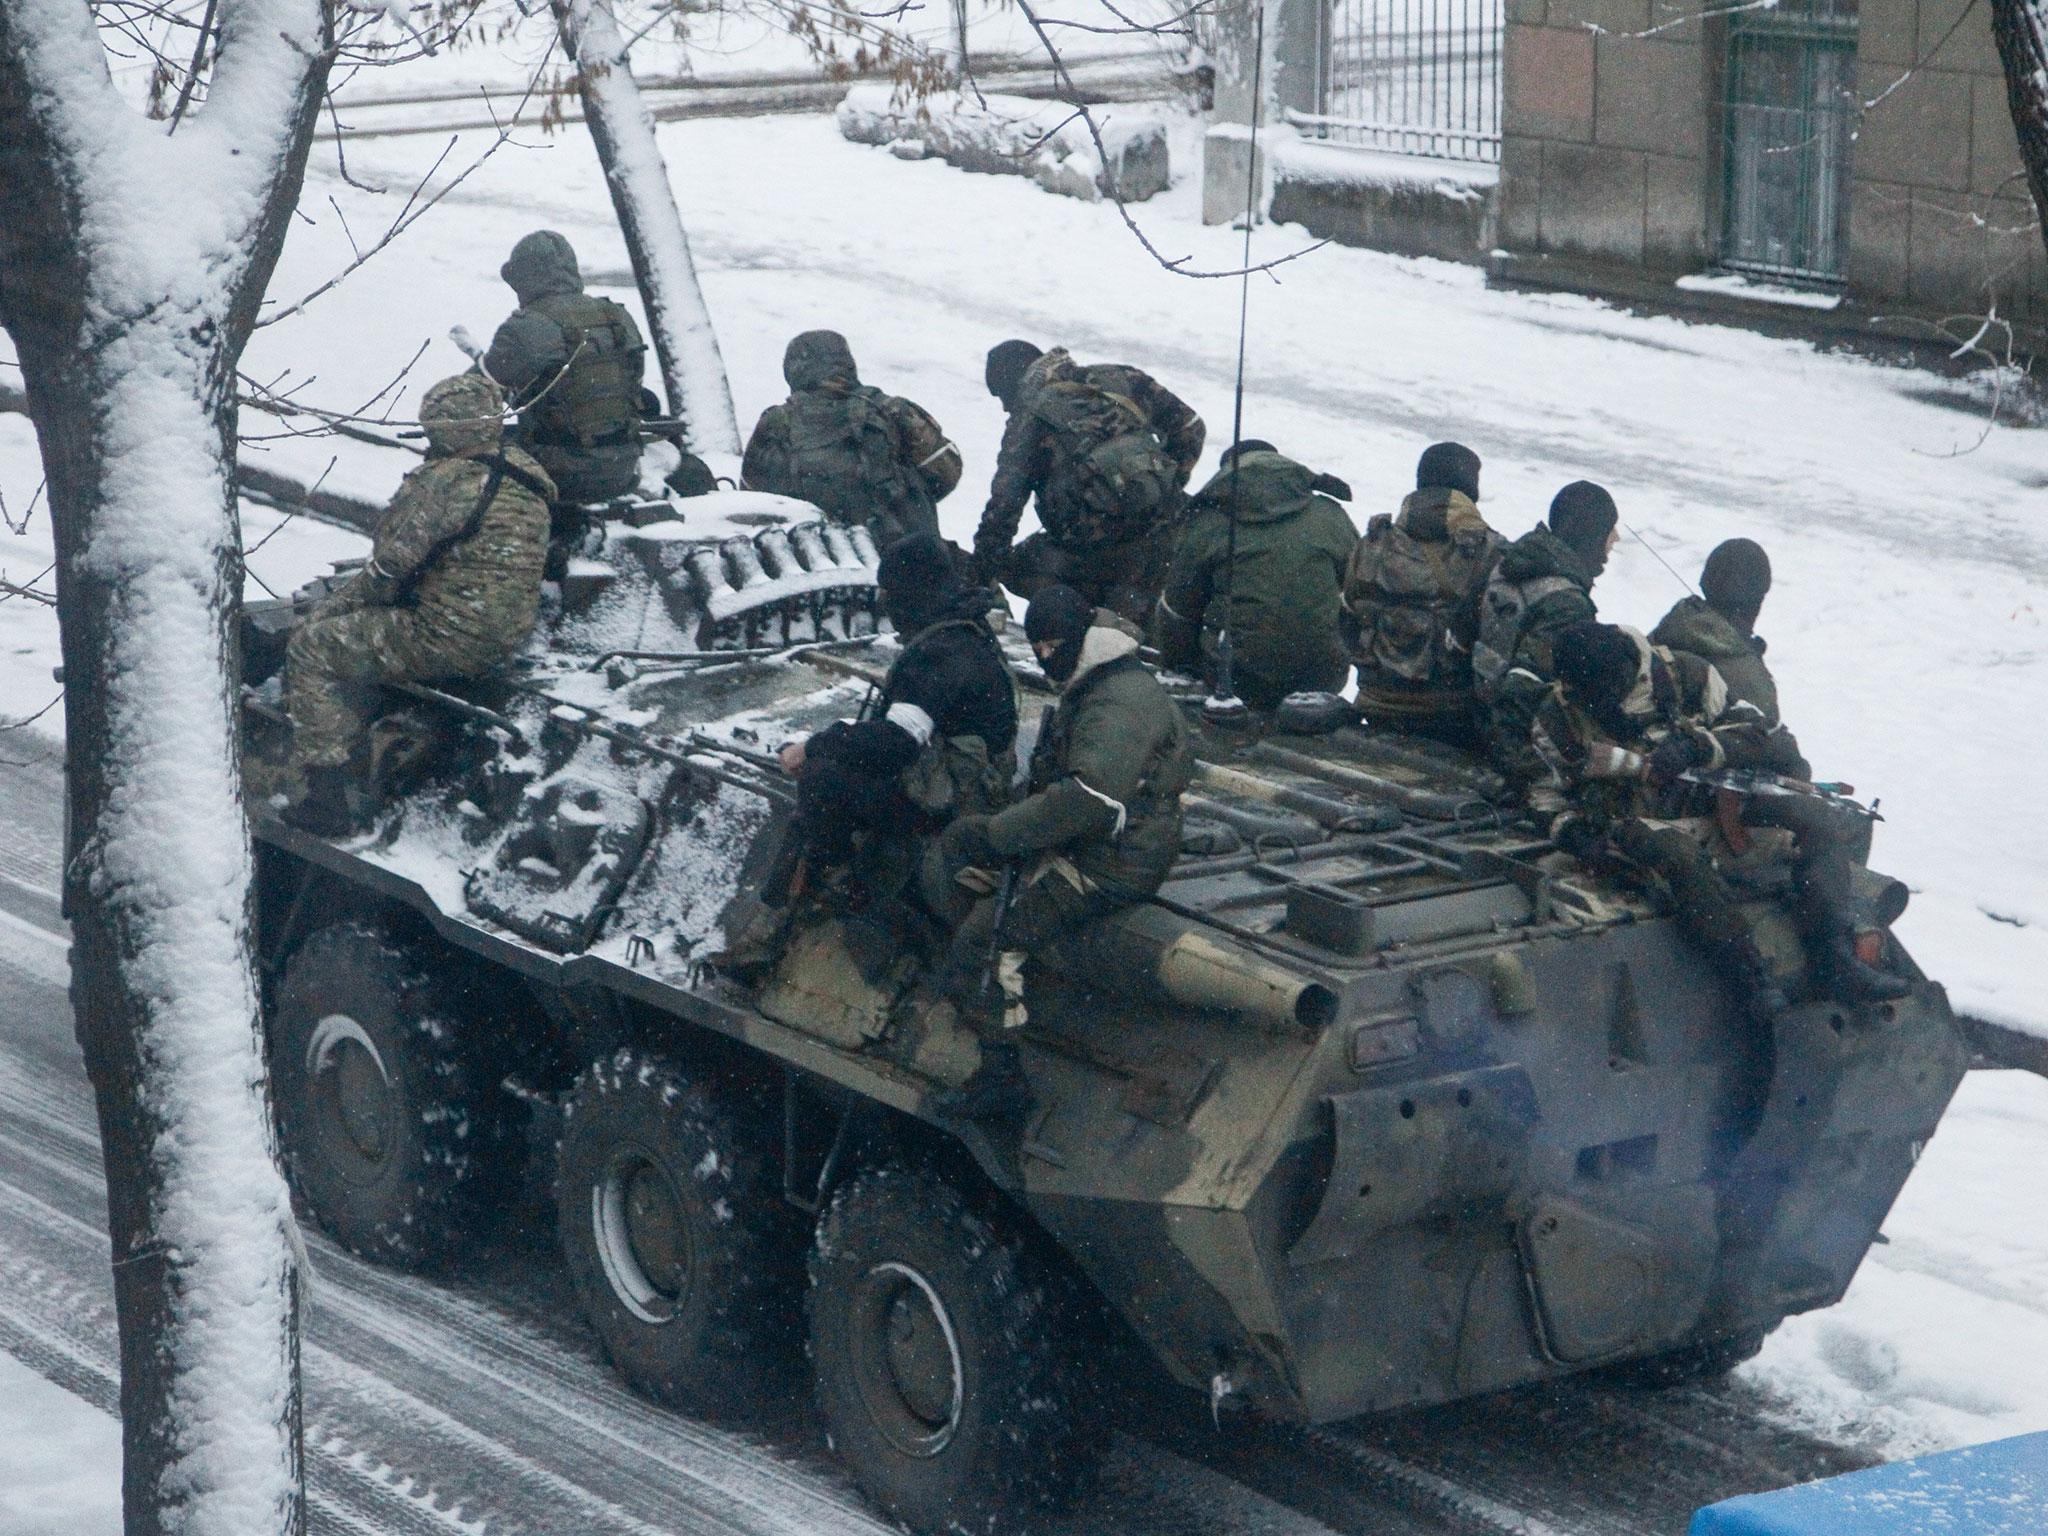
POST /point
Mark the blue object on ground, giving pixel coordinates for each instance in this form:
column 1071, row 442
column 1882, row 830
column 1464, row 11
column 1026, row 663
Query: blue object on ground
column 2000, row 1489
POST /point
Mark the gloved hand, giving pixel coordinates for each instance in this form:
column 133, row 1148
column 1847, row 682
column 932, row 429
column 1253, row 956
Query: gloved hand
column 965, row 845
column 1674, row 755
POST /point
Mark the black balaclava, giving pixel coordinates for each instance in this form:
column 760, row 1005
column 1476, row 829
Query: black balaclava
column 1598, row 665
column 919, row 580
column 1448, row 467
column 815, row 358
column 1249, row 445
column 1735, row 581
column 1007, row 362
column 1583, row 515
column 1062, row 616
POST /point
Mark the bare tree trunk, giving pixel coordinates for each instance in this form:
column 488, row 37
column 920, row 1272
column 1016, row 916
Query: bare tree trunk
column 623, row 129
column 128, row 311
column 2018, row 27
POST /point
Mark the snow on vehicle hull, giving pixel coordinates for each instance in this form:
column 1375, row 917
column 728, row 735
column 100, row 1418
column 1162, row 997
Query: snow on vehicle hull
column 1383, row 1101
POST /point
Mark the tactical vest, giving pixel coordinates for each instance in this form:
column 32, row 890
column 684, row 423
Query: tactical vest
column 596, row 400
column 844, row 459
column 1110, row 477
column 1503, row 614
column 1408, row 593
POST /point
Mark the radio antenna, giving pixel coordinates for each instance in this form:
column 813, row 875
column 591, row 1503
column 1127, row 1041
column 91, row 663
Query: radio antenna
column 1223, row 703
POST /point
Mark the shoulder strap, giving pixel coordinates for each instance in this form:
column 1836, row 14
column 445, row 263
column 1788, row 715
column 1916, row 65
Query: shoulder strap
column 493, row 478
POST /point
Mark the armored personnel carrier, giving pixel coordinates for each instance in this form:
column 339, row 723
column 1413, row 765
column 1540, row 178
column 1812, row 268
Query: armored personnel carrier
column 1381, row 1102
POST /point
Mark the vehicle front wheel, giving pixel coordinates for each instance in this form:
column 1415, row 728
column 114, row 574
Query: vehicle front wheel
column 390, row 1125
column 682, row 1250
column 945, row 1355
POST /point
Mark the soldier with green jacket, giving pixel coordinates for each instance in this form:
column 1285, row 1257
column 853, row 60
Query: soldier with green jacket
column 1106, row 451
column 1273, row 579
column 855, row 453
column 1098, row 828
column 1540, row 587
column 571, row 364
column 451, row 589
column 1411, row 601
column 1720, row 624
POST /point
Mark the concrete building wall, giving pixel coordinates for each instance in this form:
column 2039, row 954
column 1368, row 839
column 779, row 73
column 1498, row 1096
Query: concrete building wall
column 1612, row 152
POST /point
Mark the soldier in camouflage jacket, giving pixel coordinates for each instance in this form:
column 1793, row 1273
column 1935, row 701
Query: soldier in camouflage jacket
column 855, row 453
column 451, row 589
column 1116, row 558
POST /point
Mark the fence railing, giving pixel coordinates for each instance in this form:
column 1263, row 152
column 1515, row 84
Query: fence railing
column 1417, row 77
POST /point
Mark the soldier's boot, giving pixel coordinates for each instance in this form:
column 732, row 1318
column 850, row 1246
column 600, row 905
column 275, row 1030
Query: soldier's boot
column 998, row 1092
column 1849, row 965
column 330, row 806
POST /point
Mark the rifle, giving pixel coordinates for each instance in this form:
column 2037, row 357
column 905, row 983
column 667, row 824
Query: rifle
column 1006, row 895
column 1742, row 782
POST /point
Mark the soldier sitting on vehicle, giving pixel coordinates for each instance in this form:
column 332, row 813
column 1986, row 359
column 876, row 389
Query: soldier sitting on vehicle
column 451, row 590
column 1099, row 828
column 1411, row 601
column 1272, row 578
column 937, row 742
column 856, row 454
column 1603, row 767
column 1720, row 624
column 1107, row 452
column 571, row 364
column 1541, row 585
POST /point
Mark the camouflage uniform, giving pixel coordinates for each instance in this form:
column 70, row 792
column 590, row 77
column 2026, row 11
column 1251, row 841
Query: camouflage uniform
column 1692, row 625
column 571, row 363
column 857, row 454
column 1540, row 588
column 1121, row 572
column 434, row 601
column 1412, row 598
column 1292, row 544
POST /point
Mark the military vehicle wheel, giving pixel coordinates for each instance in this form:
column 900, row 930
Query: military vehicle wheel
column 388, row 1127
column 1688, row 1365
column 943, row 1373
column 682, row 1250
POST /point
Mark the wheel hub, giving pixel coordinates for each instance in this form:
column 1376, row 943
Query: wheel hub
column 907, row 1360
column 642, row 1235
column 351, row 1091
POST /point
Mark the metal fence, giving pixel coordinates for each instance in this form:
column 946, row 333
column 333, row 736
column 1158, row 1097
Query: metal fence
column 1418, row 77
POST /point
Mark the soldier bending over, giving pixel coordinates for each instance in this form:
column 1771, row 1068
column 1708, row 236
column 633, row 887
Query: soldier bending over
column 451, row 589
column 1098, row 829
column 1107, row 452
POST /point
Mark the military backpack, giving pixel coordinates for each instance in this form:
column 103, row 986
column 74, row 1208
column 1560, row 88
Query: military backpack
column 1411, row 596
column 1503, row 615
column 595, row 400
column 845, row 459
column 1110, row 478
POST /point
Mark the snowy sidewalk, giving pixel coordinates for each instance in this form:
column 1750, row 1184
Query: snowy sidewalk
column 60, row 1460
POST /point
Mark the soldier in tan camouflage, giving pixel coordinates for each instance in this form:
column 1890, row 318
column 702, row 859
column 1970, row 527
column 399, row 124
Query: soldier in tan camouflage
column 451, row 589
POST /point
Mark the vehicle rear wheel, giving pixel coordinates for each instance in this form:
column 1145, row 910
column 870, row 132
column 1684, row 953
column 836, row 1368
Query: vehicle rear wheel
column 945, row 1357
column 1689, row 1365
column 682, row 1250
column 390, row 1126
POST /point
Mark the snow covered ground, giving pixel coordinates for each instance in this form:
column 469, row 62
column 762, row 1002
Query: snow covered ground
column 1907, row 627
column 60, row 1460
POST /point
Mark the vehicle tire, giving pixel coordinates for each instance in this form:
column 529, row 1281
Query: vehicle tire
column 682, row 1249
column 946, row 1357
column 391, row 1127
column 1689, row 1365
